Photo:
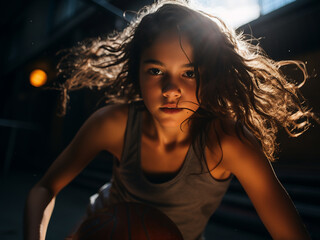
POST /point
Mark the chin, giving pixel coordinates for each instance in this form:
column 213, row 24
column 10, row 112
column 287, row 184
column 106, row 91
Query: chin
column 172, row 123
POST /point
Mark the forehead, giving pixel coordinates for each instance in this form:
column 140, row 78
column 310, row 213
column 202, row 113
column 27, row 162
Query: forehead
column 169, row 47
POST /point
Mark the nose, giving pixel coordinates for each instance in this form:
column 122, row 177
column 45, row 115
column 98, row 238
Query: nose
column 171, row 91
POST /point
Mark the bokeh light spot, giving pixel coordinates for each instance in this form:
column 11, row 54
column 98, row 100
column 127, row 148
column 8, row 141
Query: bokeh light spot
column 38, row 78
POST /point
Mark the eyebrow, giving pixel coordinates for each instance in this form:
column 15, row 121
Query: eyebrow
column 157, row 62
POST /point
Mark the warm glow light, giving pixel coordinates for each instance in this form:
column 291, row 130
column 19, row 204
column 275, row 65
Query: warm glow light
column 234, row 13
column 38, row 78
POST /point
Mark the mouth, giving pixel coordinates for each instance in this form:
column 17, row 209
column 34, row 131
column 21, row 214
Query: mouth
column 170, row 109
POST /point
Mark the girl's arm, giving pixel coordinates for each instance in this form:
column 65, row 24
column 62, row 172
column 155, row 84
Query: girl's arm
column 104, row 130
column 38, row 210
column 245, row 160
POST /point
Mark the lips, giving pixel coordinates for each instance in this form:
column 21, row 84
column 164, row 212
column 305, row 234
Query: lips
column 170, row 108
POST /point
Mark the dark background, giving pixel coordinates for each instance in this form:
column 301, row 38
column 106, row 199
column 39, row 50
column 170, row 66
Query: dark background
column 32, row 135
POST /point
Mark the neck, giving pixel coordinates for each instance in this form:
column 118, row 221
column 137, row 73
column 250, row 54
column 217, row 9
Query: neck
column 165, row 135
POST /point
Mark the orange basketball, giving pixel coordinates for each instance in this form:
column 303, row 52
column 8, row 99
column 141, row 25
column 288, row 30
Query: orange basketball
column 132, row 221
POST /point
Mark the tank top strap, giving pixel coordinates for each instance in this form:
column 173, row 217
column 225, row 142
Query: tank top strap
column 132, row 133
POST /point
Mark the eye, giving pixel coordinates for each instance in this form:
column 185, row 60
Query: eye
column 155, row 71
column 189, row 74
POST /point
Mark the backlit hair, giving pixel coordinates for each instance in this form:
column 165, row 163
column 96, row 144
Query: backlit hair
column 235, row 79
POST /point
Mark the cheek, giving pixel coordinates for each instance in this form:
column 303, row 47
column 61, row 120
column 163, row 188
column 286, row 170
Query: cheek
column 191, row 97
column 150, row 90
column 190, row 90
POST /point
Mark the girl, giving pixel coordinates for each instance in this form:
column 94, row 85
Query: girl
column 194, row 105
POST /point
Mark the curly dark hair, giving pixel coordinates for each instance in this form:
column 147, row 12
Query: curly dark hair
column 237, row 81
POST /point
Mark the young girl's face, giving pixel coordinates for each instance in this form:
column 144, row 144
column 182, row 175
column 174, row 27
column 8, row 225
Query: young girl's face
column 167, row 79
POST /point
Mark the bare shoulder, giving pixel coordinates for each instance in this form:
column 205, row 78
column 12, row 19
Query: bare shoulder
column 233, row 145
column 111, row 114
column 111, row 122
column 104, row 130
column 232, row 132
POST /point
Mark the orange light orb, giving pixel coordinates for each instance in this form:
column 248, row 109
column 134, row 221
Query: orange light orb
column 38, row 78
